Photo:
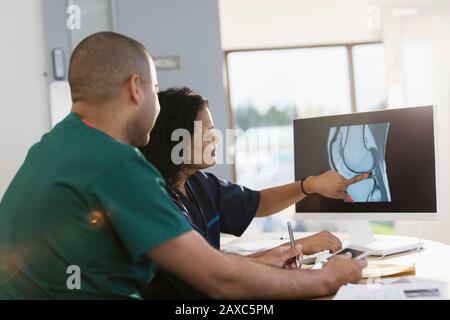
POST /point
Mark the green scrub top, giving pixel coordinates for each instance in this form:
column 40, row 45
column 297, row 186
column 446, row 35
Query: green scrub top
column 83, row 200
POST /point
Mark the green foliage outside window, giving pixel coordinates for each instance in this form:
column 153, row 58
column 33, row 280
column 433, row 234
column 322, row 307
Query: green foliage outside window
column 250, row 117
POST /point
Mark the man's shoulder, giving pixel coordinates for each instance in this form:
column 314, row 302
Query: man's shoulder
column 79, row 141
column 127, row 163
column 80, row 153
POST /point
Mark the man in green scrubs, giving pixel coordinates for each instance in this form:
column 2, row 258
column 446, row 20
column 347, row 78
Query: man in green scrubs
column 86, row 216
column 78, row 198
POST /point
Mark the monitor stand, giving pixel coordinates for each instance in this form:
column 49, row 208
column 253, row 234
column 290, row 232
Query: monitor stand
column 361, row 237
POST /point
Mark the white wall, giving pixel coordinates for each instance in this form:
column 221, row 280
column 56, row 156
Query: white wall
column 24, row 113
column 279, row 23
column 418, row 52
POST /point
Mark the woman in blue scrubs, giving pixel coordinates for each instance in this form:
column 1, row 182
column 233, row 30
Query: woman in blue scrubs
column 213, row 205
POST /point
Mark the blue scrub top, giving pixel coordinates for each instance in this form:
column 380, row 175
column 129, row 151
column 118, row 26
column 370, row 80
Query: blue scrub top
column 227, row 207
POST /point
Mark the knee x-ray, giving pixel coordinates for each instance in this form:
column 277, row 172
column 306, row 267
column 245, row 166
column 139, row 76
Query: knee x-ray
column 356, row 149
column 396, row 146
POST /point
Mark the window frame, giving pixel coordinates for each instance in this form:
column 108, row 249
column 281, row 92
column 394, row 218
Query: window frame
column 350, row 66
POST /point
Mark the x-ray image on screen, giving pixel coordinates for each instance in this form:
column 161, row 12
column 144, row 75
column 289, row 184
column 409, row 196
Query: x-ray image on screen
column 356, row 149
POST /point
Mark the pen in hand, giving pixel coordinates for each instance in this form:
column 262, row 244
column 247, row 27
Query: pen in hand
column 291, row 237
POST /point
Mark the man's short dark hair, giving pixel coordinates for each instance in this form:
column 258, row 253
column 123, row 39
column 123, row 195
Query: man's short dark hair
column 102, row 62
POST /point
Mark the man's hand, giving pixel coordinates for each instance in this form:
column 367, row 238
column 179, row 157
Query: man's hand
column 341, row 270
column 282, row 256
column 193, row 260
column 324, row 240
column 332, row 185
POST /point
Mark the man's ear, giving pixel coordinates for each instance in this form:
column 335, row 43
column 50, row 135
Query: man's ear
column 134, row 88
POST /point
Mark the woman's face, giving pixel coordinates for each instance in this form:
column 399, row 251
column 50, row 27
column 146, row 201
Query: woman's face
column 205, row 156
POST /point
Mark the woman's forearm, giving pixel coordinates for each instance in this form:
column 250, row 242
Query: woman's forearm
column 329, row 184
column 273, row 200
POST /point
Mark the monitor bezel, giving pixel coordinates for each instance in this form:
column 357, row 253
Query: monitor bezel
column 388, row 216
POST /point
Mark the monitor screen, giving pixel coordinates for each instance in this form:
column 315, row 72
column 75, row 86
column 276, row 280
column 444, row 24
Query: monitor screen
column 395, row 146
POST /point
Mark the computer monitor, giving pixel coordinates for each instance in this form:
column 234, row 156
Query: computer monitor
column 397, row 146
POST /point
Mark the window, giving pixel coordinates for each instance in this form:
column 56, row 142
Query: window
column 269, row 88
column 369, row 72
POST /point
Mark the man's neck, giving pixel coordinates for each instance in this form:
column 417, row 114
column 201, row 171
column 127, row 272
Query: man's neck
column 102, row 119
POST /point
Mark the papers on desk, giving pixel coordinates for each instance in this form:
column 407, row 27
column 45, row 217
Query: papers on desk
column 251, row 246
column 378, row 269
column 406, row 288
column 255, row 246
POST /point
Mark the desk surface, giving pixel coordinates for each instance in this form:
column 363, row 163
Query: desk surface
column 432, row 262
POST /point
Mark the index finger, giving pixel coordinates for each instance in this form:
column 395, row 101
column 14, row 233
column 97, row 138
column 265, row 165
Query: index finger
column 357, row 178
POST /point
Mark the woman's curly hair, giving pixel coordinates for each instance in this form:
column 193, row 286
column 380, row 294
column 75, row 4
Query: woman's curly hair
column 179, row 109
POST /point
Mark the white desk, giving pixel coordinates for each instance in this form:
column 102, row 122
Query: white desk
column 432, row 262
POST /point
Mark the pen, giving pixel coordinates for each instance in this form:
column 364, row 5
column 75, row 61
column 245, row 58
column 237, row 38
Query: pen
column 291, row 237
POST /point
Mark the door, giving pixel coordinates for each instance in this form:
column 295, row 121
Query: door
column 66, row 23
